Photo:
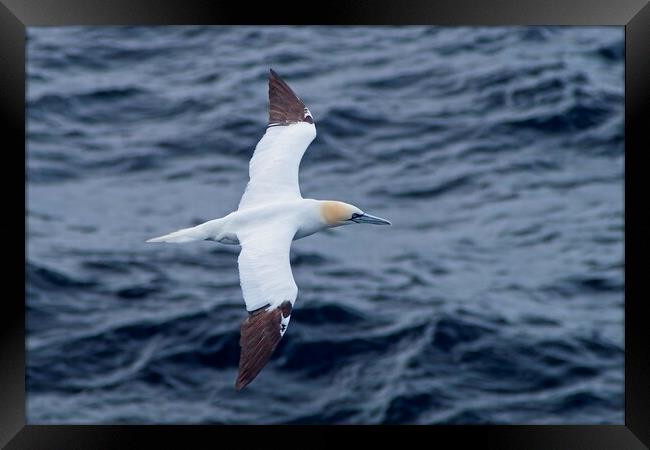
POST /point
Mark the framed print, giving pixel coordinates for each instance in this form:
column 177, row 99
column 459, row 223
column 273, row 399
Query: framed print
column 428, row 215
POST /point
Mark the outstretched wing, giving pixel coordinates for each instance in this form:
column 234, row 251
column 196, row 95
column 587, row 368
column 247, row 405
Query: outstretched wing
column 260, row 334
column 273, row 169
column 269, row 292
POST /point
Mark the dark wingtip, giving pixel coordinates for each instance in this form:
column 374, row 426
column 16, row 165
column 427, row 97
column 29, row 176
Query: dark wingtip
column 243, row 380
column 275, row 78
column 260, row 332
column 240, row 384
column 273, row 75
column 285, row 107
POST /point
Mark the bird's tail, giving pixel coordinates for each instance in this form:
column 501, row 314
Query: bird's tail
column 198, row 233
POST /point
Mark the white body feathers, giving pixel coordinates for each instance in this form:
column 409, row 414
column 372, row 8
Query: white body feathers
column 271, row 214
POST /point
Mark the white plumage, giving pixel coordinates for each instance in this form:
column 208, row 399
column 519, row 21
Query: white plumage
column 264, row 267
column 271, row 214
column 273, row 169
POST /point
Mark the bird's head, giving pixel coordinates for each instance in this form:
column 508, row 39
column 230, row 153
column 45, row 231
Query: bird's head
column 336, row 214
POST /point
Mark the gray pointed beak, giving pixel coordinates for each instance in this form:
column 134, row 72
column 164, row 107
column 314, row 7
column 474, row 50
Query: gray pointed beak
column 367, row 218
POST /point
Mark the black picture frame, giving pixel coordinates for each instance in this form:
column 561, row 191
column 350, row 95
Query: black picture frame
column 16, row 15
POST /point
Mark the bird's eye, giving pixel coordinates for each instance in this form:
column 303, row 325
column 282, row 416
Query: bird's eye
column 355, row 215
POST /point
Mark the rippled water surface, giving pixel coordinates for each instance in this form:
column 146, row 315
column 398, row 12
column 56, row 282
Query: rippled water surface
column 496, row 297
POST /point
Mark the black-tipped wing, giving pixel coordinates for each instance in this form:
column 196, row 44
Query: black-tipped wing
column 260, row 334
column 273, row 169
column 284, row 105
column 269, row 292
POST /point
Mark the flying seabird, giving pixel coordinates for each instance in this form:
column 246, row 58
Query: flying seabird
column 272, row 213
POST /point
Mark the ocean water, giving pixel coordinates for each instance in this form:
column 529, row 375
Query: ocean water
column 496, row 296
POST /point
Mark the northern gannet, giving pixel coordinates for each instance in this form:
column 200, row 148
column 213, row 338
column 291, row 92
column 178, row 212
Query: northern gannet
column 272, row 214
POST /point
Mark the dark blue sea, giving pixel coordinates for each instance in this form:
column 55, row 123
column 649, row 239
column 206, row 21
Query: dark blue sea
column 496, row 296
